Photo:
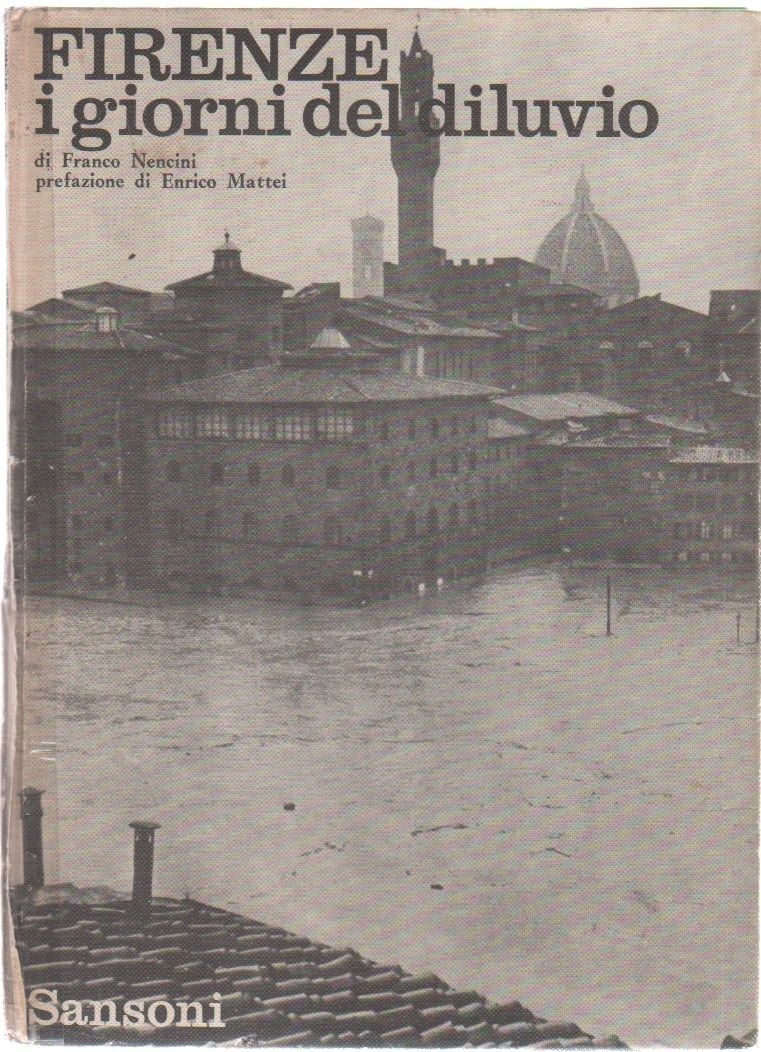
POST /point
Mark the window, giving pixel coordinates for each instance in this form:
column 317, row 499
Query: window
column 108, row 524
column 295, row 426
column 410, row 525
column 432, row 520
column 383, row 430
column 705, row 531
column 384, row 475
column 333, row 476
column 726, row 532
column 411, row 471
column 249, row 525
column 75, row 476
column 472, row 512
column 454, row 464
column 254, row 474
column 454, row 516
column 105, row 320
column 474, row 424
column 76, row 522
column 107, row 478
column 455, row 426
column 288, row 475
column 216, row 474
column 252, row 425
column 332, row 532
column 73, row 438
column 105, row 440
column 335, row 424
column 174, row 526
column 473, row 460
column 433, row 467
column 174, row 423
column 384, row 532
column 212, row 523
column 434, row 428
column 411, row 428
column 290, row 531
column 173, row 471
column 212, row 423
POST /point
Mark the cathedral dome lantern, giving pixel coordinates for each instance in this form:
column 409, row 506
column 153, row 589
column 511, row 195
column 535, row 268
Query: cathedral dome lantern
column 584, row 249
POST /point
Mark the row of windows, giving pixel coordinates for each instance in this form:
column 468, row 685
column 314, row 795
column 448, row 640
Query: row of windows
column 218, row 471
column 718, row 472
column 76, row 439
column 298, row 425
column 705, row 531
column 333, row 531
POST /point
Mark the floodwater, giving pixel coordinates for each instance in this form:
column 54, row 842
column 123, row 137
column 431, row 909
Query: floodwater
column 482, row 783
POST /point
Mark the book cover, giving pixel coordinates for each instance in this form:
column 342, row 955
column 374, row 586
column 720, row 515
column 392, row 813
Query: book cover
column 382, row 610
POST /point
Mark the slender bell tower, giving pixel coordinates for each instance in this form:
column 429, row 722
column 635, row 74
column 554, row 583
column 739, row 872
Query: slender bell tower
column 415, row 157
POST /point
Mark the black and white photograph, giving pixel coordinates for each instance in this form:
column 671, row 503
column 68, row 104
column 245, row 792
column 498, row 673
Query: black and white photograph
column 382, row 579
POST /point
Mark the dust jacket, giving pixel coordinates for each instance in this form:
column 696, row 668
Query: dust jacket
column 382, row 612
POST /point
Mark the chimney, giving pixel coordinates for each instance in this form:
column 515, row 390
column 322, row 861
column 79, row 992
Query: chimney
column 31, row 829
column 142, row 879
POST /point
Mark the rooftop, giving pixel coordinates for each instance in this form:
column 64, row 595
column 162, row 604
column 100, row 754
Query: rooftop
column 276, row 988
column 411, row 319
column 294, row 385
column 104, row 286
column 62, row 335
column 563, row 405
column 499, row 428
column 714, row 455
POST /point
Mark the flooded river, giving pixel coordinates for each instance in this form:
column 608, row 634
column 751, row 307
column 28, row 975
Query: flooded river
column 482, row 783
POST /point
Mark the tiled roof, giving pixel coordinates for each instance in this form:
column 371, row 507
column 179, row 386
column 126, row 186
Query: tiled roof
column 618, row 442
column 499, row 428
column 714, row 455
column 676, row 423
column 279, row 384
column 409, row 321
column 276, row 988
column 224, row 279
column 68, row 337
column 563, row 405
column 104, row 286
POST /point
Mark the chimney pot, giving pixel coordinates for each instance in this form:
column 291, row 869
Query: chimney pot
column 142, row 877
column 31, row 830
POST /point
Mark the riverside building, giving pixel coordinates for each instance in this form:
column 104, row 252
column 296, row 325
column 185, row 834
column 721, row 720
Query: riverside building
column 317, row 474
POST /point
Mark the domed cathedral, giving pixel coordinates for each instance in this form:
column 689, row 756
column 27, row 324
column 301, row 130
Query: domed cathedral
column 584, row 249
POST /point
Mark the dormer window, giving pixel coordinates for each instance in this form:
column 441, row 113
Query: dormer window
column 105, row 320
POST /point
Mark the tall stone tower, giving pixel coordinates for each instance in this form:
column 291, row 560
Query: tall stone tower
column 367, row 256
column 415, row 157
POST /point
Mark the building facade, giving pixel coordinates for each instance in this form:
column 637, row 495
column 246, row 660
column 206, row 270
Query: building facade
column 305, row 475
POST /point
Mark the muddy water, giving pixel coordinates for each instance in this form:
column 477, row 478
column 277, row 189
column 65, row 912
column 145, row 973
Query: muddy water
column 587, row 805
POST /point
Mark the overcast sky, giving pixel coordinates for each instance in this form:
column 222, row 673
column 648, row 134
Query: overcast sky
column 685, row 200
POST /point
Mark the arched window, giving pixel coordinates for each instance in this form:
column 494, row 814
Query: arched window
column 411, row 471
column 384, row 475
column 332, row 476
column 290, row 531
column 410, row 525
column 254, row 474
column 288, row 475
column 433, row 467
column 173, row 471
column 432, row 520
column 332, row 532
column 384, row 532
column 454, row 516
